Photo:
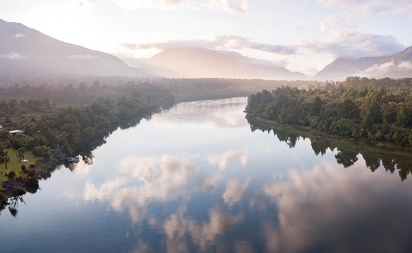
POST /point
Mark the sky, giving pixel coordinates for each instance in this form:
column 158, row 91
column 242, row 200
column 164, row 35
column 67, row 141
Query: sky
column 302, row 35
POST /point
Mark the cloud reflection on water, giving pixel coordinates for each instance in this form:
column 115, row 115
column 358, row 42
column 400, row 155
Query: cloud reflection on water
column 321, row 206
column 144, row 180
column 222, row 160
column 339, row 210
column 177, row 226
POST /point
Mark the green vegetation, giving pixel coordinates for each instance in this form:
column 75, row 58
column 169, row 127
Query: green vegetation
column 371, row 110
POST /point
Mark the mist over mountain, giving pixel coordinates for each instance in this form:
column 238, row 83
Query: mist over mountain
column 25, row 52
column 206, row 63
column 341, row 68
column 395, row 66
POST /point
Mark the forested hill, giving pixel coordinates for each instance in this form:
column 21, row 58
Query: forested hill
column 372, row 110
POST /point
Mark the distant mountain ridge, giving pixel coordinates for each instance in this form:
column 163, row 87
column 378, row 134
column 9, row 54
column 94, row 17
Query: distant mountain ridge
column 398, row 65
column 341, row 68
column 207, row 63
column 26, row 52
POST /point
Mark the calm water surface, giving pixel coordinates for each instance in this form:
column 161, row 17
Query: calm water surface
column 195, row 178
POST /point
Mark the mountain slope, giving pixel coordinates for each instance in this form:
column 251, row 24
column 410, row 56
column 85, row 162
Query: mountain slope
column 395, row 66
column 341, row 68
column 205, row 63
column 26, row 52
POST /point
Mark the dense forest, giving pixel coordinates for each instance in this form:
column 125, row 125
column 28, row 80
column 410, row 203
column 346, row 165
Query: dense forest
column 376, row 111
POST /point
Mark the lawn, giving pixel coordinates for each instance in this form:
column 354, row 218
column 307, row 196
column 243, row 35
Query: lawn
column 15, row 164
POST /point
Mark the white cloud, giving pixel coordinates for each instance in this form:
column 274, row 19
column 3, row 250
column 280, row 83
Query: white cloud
column 81, row 57
column 151, row 4
column 92, row 193
column 81, row 6
column 234, row 192
column 342, row 42
column 13, row 56
column 232, row 6
column 405, row 66
column 172, row 177
column 366, row 7
column 222, row 160
column 177, row 227
column 18, row 35
column 217, row 42
column 399, row 70
column 310, row 201
column 355, row 45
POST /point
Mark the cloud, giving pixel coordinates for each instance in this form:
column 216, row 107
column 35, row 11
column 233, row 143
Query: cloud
column 81, row 57
column 377, row 7
column 232, row 6
column 217, row 42
column 222, row 160
column 339, row 44
column 337, row 22
column 355, row 45
column 173, row 177
column 309, row 202
column 13, row 56
column 18, row 35
column 234, row 192
column 396, row 70
column 150, row 4
column 177, row 227
column 82, row 6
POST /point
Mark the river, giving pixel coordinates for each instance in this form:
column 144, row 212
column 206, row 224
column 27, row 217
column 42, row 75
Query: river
column 196, row 178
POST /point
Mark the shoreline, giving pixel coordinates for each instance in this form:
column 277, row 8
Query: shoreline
column 362, row 144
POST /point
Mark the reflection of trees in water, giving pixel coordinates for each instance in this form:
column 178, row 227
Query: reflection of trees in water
column 347, row 152
column 84, row 150
column 14, row 205
column 346, row 157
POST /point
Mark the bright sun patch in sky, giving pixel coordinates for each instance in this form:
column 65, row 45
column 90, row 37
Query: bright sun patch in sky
column 302, row 35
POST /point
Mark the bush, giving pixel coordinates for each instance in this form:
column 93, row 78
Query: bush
column 42, row 151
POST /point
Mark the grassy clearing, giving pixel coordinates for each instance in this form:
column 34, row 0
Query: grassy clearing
column 15, row 164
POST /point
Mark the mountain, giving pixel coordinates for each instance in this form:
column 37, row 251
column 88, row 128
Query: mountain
column 396, row 66
column 206, row 63
column 341, row 68
column 25, row 52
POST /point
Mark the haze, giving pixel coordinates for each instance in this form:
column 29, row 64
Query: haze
column 302, row 36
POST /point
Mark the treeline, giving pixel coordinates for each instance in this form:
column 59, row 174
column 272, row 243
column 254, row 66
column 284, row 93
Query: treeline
column 73, row 127
column 84, row 93
column 378, row 111
column 187, row 89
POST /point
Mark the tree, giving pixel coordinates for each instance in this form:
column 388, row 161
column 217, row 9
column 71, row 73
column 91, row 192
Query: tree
column 42, row 151
column 316, row 106
column 20, row 153
column 4, row 155
column 348, row 109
